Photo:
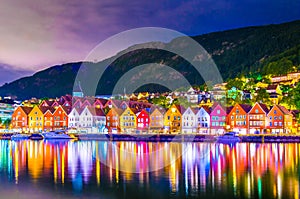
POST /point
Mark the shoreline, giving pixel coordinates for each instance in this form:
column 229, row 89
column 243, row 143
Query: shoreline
column 265, row 138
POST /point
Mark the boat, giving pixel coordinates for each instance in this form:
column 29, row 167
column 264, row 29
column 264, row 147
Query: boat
column 56, row 135
column 36, row 136
column 229, row 137
column 20, row 136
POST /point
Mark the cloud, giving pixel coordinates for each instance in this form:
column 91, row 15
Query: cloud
column 8, row 75
column 38, row 34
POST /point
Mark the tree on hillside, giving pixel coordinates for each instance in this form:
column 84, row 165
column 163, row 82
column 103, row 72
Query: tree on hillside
column 280, row 67
column 250, row 85
column 237, row 83
column 295, row 96
column 183, row 102
column 262, row 96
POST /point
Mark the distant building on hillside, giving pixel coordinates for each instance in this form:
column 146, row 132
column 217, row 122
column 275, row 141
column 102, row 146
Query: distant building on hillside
column 77, row 90
column 7, row 107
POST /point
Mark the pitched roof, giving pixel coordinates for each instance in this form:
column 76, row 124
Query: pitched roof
column 159, row 108
column 216, row 104
column 26, row 109
column 272, row 87
column 180, row 108
column 264, row 107
column 246, row 107
column 79, row 110
column 67, row 109
column 44, row 109
column 228, row 109
column 284, row 110
column 96, row 111
column 117, row 110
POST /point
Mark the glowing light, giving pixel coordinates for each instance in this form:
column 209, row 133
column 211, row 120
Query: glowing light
column 63, row 167
column 55, row 169
column 16, row 154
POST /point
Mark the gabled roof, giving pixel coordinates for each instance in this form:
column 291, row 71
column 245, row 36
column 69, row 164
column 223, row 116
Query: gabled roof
column 284, row 110
column 180, row 108
column 228, row 109
column 264, row 107
column 192, row 109
column 143, row 110
column 217, row 104
column 117, row 110
column 79, row 110
column 272, row 87
column 134, row 110
column 159, row 108
column 295, row 113
column 44, row 109
column 207, row 109
column 103, row 101
column 246, row 107
column 96, row 111
column 48, row 102
column 26, row 109
column 67, row 109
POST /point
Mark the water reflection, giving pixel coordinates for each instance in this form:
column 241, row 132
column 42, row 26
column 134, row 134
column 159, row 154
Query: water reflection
column 244, row 170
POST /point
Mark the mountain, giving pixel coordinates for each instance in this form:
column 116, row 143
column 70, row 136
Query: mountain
column 264, row 49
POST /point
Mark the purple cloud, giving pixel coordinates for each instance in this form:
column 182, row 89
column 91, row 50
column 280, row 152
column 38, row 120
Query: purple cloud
column 38, row 34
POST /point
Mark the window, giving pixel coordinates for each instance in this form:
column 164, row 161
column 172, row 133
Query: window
column 270, row 123
column 270, row 117
column 275, row 117
column 256, row 110
column 275, row 112
column 218, row 111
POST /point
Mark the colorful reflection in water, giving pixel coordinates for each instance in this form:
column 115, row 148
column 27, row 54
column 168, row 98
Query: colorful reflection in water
column 119, row 169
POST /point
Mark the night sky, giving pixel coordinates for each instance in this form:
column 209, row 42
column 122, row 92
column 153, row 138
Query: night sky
column 39, row 34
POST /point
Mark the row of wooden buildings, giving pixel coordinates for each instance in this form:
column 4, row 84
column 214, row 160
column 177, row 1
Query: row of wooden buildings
column 99, row 115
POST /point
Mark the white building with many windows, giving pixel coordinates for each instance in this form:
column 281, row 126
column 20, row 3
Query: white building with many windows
column 189, row 122
column 203, row 120
column 73, row 118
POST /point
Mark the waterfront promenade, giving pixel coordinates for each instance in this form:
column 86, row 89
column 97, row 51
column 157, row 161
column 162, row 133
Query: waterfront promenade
column 261, row 138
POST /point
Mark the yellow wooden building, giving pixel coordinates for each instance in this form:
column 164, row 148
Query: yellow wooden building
column 36, row 119
column 172, row 118
column 128, row 120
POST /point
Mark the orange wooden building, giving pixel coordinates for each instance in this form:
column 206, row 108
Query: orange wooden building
column 237, row 118
column 20, row 118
